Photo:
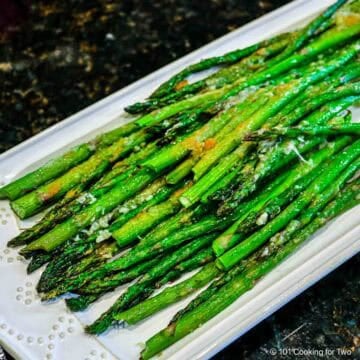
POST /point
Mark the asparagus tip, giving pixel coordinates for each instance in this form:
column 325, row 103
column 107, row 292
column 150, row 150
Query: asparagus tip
column 15, row 242
column 96, row 328
column 3, row 194
column 77, row 304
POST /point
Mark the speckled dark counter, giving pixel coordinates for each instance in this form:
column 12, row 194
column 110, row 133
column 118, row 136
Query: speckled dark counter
column 57, row 59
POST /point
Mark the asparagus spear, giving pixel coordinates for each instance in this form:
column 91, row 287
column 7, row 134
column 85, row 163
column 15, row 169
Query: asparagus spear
column 67, row 208
column 280, row 155
column 63, row 163
column 54, row 272
column 135, row 292
column 270, row 163
column 231, row 178
column 95, row 289
column 318, row 202
column 105, row 204
column 283, row 97
column 255, row 62
column 336, row 172
column 60, row 214
column 230, row 117
column 180, row 220
column 235, row 114
column 31, row 203
column 146, row 201
column 228, row 58
column 262, row 213
column 150, row 217
column 316, row 96
column 168, row 296
column 227, row 294
column 330, row 39
column 296, row 131
column 348, row 194
column 224, row 76
column 308, row 31
column 141, row 253
column 299, row 40
column 173, row 154
column 37, row 261
column 276, row 196
column 198, row 260
column 209, row 223
column 190, row 136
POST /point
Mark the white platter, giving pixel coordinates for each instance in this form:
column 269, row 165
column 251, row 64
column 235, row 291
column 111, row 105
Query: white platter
column 31, row 330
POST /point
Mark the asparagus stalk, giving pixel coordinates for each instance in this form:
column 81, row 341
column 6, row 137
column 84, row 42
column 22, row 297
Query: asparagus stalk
column 135, row 292
column 151, row 213
column 173, row 154
column 262, row 213
column 301, row 130
column 227, row 58
column 224, row 76
column 192, row 129
column 278, row 194
column 255, row 62
column 232, row 178
column 329, row 39
column 231, row 291
column 37, row 261
column 337, row 171
column 63, row 163
column 168, row 296
column 60, row 213
column 291, row 43
column 64, row 209
column 141, row 253
column 31, row 203
column 183, row 219
column 198, row 260
column 54, row 272
column 283, row 97
column 232, row 117
column 316, row 96
column 167, row 227
column 91, row 258
column 347, row 194
column 282, row 154
column 95, row 289
column 317, row 204
column 147, row 219
column 218, row 128
column 84, row 218
column 296, row 44
column 226, row 184
column 308, row 31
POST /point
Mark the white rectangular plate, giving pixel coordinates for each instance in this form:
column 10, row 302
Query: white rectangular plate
column 31, row 330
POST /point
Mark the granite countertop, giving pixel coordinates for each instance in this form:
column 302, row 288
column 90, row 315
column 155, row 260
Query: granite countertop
column 57, row 59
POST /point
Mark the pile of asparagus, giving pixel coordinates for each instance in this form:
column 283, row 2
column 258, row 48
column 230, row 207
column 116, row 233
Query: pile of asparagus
column 227, row 175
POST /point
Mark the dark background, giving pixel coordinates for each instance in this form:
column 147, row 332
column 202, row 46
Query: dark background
column 57, row 57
